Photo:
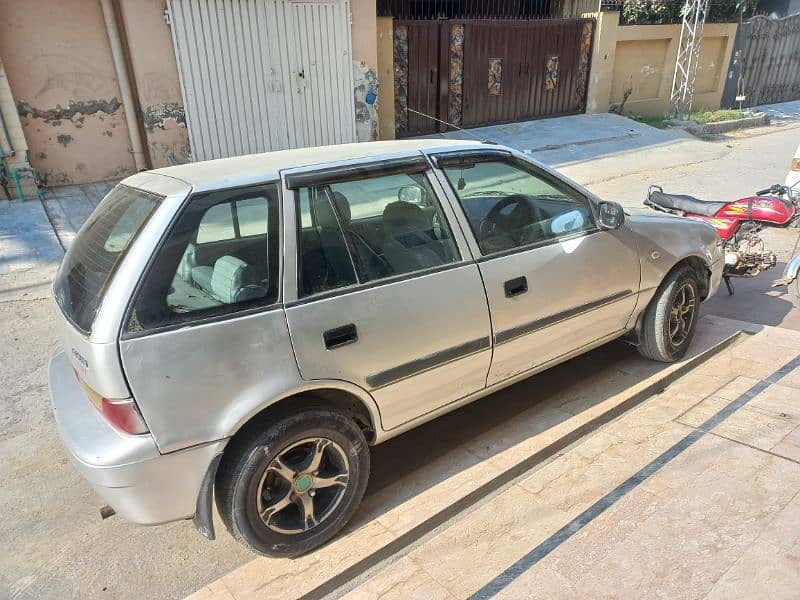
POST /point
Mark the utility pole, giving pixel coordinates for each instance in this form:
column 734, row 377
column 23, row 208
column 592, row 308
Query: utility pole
column 694, row 17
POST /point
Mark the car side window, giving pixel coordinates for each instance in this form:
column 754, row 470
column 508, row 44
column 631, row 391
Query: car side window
column 221, row 256
column 369, row 229
column 509, row 206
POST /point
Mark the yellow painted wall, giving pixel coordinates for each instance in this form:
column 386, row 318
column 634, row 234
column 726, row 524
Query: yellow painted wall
column 155, row 71
column 59, row 66
column 642, row 58
column 386, row 79
column 58, row 61
column 364, row 35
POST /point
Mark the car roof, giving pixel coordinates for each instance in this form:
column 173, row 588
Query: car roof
column 255, row 168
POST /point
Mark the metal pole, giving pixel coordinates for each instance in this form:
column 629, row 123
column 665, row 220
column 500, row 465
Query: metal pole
column 120, row 67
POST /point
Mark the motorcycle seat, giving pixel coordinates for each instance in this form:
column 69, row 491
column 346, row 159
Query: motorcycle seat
column 684, row 203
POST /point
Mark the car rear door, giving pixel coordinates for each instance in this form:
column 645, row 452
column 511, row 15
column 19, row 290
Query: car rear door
column 555, row 282
column 404, row 317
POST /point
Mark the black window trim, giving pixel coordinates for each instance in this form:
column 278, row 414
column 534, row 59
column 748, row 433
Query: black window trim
column 243, row 310
column 494, row 155
column 455, row 158
column 394, row 166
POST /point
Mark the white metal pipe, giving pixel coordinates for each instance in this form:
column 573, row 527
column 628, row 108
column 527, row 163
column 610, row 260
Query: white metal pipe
column 121, row 69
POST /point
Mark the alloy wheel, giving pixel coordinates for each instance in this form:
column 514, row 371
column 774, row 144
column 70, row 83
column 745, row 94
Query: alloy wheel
column 302, row 485
column 682, row 313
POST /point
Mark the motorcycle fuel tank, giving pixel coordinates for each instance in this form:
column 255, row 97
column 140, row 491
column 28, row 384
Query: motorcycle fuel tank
column 767, row 209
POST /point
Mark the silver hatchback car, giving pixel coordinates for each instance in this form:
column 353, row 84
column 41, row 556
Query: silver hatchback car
column 243, row 329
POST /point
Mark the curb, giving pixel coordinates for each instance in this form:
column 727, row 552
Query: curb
column 757, row 120
column 361, row 570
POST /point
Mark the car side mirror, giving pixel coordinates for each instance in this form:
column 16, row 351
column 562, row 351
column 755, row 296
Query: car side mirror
column 411, row 193
column 610, row 215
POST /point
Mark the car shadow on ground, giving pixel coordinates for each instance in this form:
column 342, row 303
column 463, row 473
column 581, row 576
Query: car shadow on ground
column 406, row 466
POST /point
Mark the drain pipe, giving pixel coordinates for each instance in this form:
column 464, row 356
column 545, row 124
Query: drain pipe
column 7, row 138
column 124, row 84
column 4, row 155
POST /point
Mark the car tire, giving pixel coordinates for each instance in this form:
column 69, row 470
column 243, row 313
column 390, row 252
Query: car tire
column 254, row 480
column 667, row 326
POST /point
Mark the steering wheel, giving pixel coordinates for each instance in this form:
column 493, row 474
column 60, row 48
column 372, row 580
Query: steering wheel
column 489, row 225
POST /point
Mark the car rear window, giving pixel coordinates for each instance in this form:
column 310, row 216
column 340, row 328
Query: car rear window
column 98, row 250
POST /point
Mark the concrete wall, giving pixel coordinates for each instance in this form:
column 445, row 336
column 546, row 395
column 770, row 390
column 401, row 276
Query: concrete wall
column 364, row 34
column 58, row 61
column 13, row 147
column 641, row 58
column 155, row 72
column 59, row 66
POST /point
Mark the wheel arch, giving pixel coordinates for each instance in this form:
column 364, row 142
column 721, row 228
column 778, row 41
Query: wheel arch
column 329, row 394
column 338, row 395
column 701, row 269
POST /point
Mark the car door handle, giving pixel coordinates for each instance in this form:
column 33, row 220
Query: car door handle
column 516, row 286
column 340, row 336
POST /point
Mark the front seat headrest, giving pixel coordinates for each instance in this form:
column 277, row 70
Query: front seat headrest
column 402, row 217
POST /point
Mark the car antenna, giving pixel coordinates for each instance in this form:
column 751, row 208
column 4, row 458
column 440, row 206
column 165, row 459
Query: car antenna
column 469, row 133
column 461, row 182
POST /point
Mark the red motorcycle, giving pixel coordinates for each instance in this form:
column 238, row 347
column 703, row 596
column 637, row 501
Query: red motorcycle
column 738, row 224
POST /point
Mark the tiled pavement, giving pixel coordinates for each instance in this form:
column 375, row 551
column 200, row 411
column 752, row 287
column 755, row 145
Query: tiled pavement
column 717, row 517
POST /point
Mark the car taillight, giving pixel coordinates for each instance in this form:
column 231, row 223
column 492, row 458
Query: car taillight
column 121, row 414
column 124, row 415
column 796, row 164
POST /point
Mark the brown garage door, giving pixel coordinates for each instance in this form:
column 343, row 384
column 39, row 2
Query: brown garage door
column 476, row 72
column 524, row 70
column 420, row 58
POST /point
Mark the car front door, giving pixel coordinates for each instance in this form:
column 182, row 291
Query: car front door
column 555, row 281
column 404, row 314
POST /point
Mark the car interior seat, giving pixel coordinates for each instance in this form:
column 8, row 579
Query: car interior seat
column 408, row 244
column 231, row 280
column 369, row 263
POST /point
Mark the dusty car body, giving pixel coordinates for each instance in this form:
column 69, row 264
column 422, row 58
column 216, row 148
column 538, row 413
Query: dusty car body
column 382, row 284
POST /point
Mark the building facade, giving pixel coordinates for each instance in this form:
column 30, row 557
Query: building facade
column 95, row 90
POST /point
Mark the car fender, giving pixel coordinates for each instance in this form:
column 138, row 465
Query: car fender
column 666, row 240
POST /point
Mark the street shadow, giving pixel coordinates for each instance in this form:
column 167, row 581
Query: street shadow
column 429, row 455
column 414, row 451
column 755, row 301
column 26, row 237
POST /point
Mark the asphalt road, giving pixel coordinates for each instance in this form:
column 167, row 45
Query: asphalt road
column 54, row 543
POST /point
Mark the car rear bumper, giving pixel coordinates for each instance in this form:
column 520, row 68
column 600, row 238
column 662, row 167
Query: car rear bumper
column 127, row 471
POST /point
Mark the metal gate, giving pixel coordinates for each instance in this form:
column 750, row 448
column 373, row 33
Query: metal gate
column 477, row 72
column 261, row 75
column 425, row 89
column 765, row 66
